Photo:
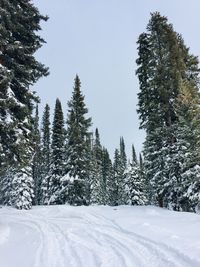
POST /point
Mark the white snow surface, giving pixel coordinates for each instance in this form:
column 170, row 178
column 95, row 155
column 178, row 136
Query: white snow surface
column 97, row 236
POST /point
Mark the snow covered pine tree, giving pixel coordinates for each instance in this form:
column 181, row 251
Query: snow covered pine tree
column 19, row 22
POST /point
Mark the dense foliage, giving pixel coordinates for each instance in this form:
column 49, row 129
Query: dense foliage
column 169, row 112
column 65, row 162
column 19, row 24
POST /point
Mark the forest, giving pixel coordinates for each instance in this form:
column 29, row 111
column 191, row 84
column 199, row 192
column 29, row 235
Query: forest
column 64, row 161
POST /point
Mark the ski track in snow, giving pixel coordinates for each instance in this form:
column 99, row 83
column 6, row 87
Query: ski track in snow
column 90, row 239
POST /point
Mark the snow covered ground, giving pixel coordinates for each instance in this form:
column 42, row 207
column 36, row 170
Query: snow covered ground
column 64, row 236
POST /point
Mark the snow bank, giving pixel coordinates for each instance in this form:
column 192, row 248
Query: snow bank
column 97, row 236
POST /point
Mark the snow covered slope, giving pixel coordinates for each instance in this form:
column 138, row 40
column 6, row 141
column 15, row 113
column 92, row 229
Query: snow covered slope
column 64, row 236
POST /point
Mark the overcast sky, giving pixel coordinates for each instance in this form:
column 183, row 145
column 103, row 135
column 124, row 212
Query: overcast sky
column 97, row 40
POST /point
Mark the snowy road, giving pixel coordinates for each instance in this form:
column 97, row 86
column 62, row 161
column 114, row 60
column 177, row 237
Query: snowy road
column 63, row 236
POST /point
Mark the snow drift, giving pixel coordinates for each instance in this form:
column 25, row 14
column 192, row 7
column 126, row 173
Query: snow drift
column 124, row 236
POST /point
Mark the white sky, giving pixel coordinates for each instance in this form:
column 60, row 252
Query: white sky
column 97, row 40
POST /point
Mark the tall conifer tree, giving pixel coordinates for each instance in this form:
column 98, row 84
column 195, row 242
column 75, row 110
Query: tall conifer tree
column 107, row 176
column 57, row 156
column 164, row 64
column 134, row 156
column 122, row 176
column 135, row 185
column 123, row 153
column 19, row 41
column 113, row 182
column 77, row 146
column 45, row 154
column 37, row 160
column 97, row 180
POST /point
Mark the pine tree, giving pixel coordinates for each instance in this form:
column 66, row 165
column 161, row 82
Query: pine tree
column 97, row 179
column 90, row 169
column 113, row 193
column 123, row 156
column 77, row 146
column 22, row 192
column 122, row 176
column 164, row 63
column 36, row 164
column 107, row 176
column 6, row 186
column 19, row 41
column 188, row 150
column 5, row 78
column 134, row 156
column 135, row 185
column 116, row 183
column 45, row 154
column 57, row 164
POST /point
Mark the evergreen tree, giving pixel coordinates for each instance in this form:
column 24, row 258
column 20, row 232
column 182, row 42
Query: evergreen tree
column 147, row 185
column 90, row 169
column 77, row 146
column 123, row 153
column 187, row 131
column 57, row 157
column 19, row 41
column 135, row 185
column 6, row 186
column 134, row 156
column 116, row 183
column 164, row 63
column 113, row 182
column 97, row 196
column 107, row 176
column 46, row 152
column 141, row 161
column 122, row 176
column 36, row 164
column 22, row 192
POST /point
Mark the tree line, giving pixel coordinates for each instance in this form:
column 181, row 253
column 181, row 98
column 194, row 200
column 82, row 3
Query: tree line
column 70, row 165
column 64, row 162
column 51, row 165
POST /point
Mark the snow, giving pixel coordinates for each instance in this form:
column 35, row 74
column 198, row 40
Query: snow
column 4, row 233
column 124, row 236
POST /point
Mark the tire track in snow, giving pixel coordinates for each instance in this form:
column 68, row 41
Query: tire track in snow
column 127, row 251
column 75, row 261
column 179, row 258
column 56, row 251
column 64, row 249
column 95, row 241
column 52, row 253
column 17, row 219
column 107, row 254
column 80, row 250
column 49, row 252
column 111, row 250
column 161, row 254
column 92, row 244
